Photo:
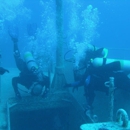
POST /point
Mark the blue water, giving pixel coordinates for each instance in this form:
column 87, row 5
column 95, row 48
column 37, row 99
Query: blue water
column 113, row 26
column 104, row 23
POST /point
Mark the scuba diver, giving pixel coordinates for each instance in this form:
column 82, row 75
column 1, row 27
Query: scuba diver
column 30, row 75
column 91, row 53
column 98, row 71
column 93, row 77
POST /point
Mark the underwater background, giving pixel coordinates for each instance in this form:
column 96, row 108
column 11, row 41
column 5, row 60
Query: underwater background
column 104, row 23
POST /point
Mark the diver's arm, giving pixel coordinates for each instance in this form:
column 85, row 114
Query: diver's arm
column 97, row 52
column 19, row 61
column 13, row 33
column 101, row 52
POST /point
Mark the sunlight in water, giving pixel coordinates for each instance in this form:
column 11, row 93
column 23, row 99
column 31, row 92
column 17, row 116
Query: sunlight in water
column 79, row 27
column 84, row 23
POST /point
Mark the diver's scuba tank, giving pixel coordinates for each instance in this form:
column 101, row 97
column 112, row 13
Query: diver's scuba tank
column 30, row 61
column 124, row 64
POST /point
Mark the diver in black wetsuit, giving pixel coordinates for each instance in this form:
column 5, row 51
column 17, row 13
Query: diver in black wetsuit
column 94, row 78
column 30, row 76
column 85, row 79
column 92, row 52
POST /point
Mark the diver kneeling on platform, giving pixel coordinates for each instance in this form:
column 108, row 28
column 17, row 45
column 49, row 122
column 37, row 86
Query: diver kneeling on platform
column 30, row 75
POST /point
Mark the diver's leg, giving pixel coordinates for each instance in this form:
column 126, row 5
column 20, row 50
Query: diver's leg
column 20, row 80
column 18, row 60
column 89, row 109
column 90, row 95
column 15, row 81
column 89, row 89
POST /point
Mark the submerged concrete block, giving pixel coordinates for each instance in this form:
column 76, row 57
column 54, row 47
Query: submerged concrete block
column 59, row 111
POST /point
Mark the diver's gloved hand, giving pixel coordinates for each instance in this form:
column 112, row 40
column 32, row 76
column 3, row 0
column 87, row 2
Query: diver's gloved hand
column 2, row 70
column 75, row 85
column 14, row 33
column 32, row 29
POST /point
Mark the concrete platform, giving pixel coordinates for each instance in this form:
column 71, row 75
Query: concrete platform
column 59, row 111
column 100, row 106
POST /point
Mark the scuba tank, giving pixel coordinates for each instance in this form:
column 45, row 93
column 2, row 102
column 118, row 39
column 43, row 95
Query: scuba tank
column 30, row 61
column 124, row 64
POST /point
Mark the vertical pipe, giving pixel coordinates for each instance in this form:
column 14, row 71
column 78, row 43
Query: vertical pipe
column 59, row 77
column 59, row 28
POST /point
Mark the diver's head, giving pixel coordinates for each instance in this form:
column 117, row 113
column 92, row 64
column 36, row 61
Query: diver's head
column 36, row 89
